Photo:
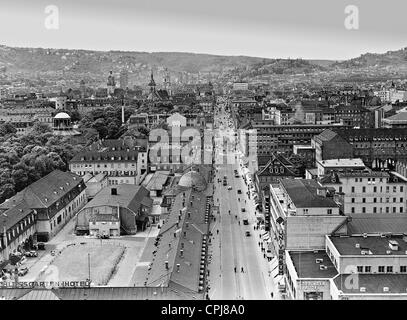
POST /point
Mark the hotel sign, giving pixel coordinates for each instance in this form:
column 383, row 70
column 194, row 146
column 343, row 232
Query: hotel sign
column 312, row 285
column 44, row 284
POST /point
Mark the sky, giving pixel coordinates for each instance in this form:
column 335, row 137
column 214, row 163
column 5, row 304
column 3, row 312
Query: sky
column 308, row 29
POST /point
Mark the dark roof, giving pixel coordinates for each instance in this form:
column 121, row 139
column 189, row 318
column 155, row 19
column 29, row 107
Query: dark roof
column 128, row 195
column 105, row 156
column 306, row 266
column 376, row 244
column 376, row 224
column 45, row 191
column 373, row 283
column 326, row 135
column 100, row 293
column 10, row 217
column 369, row 134
column 303, row 193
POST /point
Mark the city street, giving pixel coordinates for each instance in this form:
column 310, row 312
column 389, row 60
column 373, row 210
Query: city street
column 231, row 246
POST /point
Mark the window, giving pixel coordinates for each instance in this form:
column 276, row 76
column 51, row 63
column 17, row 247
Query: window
column 353, row 189
column 364, row 210
column 363, row 189
column 387, row 210
column 401, row 189
column 401, row 200
column 374, row 189
column 368, row 269
column 305, row 211
column 394, row 189
column 381, row 269
column 353, row 200
column 401, row 209
column 329, row 211
column 403, row 269
column 364, row 200
column 389, row 269
column 340, row 189
column 374, row 200
column 360, row 269
column 374, row 210
column 353, row 210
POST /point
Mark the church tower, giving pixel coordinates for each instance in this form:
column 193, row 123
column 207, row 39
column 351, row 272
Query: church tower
column 111, row 83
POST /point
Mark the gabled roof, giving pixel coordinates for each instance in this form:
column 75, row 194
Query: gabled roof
column 10, row 217
column 45, row 191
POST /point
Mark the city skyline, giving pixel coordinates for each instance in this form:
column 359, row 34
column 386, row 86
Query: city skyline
column 267, row 29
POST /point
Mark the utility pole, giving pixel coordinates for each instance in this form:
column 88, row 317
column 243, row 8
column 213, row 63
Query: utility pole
column 89, row 266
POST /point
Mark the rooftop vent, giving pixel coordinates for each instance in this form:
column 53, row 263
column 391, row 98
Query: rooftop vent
column 365, row 235
column 362, row 289
column 319, row 260
column 388, row 251
column 393, row 245
column 385, row 289
column 322, row 267
column 357, row 245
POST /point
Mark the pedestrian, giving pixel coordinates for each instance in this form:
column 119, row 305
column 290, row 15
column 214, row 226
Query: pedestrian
column 217, row 231
column 272, row 295
column 264, row 256
column 235, row 269
column 242, row 270
column 239, row 222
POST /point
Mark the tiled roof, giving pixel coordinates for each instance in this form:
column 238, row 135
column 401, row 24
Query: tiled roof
column 128, row 195
column 377, row 224
column 105, row 156
column 10, row 217
column 326, row 135
column 45, row 191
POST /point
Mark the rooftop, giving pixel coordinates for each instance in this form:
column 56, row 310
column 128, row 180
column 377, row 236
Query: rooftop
column 303, row 193
column 356, row 162
column 377, row 245
column 306, row 266
column 377, row 224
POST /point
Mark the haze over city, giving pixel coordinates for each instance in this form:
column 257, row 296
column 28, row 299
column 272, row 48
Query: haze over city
column 273, row 29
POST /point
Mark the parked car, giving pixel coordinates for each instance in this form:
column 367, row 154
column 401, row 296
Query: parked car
column 246, row 222
column 104, row 236
column 243, row 209
column 229, row 187
column 31, row 254
column 248, row 234
column 239, row 191
column 22, row 271
column 40, row 246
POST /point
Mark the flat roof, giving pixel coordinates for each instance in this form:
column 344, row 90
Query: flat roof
column 303, row 193
column 356, row 162
column 306, row 266
column 376, row 244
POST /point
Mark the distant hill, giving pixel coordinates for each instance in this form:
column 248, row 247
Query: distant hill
column 96, row 63
column 389, row 59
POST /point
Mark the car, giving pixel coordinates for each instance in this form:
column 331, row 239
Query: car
column 31, row 254
column 225, row 183
column 243, row 209
column 239, row 191
column 248, row 234
column 104, row 236
column 229, row 187
column 40, row 246
column 245, row 222
column 22, row 271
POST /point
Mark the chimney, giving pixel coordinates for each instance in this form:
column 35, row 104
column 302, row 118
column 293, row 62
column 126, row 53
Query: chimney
column 393, row 245
column 321, row 192
column 114, row 191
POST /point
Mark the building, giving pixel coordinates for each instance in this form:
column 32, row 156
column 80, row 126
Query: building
column 111, row 84
column 120, row 166
column 355, row 116
column 329, row 145
column 124, row 79
column 55, row 198
column 399, row 120
column 334, row 165
column 378, row 148
column 369, row 192
column 62, row 125
column 272, row 138
column 301, row 213
column 95, row 183
column 115, row 210
column 17, row 229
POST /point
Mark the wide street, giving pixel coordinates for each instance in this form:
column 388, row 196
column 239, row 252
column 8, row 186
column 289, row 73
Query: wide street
column 231, row 246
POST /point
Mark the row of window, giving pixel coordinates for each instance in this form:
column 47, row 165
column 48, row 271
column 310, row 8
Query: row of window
column 379, row 210
column 375, row 189
column 381, row 269
column 381, row 200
